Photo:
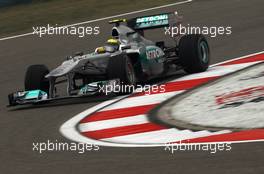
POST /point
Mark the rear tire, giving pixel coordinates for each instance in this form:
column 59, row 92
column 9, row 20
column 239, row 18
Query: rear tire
column 35, row 78
column 121, row 67
column 194, row 53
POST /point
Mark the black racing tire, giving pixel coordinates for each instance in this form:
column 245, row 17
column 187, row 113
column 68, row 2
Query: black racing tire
column 194, row 53
column 121, row 67
column 35, row 78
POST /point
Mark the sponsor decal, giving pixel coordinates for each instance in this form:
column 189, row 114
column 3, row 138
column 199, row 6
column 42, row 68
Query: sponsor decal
column 151, row 21
column 152, row 18
column 238, row 98
column 153, row 53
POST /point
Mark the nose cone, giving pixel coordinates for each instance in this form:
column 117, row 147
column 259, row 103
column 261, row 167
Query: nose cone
column 63, row 69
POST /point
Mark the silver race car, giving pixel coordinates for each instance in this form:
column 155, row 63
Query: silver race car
column 126, row 59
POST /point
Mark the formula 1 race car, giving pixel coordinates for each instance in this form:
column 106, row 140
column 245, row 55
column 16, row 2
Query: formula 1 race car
column 127, row 58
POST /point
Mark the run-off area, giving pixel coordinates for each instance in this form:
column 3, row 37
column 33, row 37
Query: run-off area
column 236, row 101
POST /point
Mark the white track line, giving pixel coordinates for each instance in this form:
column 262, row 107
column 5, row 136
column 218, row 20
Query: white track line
column 249, row 55
column 142, row 100
column 161, row 136
column 105, row 18
column 111, row 123
column 215, row 71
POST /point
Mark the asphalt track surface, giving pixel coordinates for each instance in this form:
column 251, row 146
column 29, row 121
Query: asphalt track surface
column 20, row 128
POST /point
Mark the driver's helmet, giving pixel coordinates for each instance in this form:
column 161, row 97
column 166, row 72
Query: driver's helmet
column 111, row 46
column 113, row 42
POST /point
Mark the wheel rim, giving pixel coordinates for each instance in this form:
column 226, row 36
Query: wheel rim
column 204, row 52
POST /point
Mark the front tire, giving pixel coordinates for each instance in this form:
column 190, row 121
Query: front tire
column 121, row 67
column 35, row 78
column 194, row 53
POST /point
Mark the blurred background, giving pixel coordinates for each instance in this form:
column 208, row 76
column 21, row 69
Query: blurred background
column 19, row 16
column 4, row 3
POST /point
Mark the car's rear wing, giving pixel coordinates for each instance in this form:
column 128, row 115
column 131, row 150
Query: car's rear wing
column 152, row 21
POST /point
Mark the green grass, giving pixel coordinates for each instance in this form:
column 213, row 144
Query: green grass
column 21, row 18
